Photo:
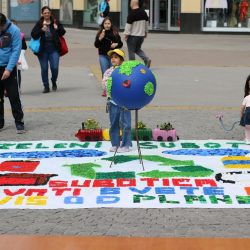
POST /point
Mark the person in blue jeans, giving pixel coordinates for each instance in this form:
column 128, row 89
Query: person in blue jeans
column 48, row 30
column 120, row 118
column 107, row 38
column 10, row 48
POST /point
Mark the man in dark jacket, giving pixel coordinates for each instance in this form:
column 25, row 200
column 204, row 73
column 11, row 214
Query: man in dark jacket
column 136, row 30
column 10, row 47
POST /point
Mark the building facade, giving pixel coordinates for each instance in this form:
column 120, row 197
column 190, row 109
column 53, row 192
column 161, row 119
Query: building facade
column 184, row 16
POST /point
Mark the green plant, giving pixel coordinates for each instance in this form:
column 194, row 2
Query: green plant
column 141, row 125
column 90, row 124
column 166, row 126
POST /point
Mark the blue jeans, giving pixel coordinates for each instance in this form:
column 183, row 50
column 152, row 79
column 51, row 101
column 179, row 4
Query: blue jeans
column 46, row 58
column 134, row 44
column 119, row 119
column 105, row 63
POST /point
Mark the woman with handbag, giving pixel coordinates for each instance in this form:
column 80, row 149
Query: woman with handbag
column 49, row 32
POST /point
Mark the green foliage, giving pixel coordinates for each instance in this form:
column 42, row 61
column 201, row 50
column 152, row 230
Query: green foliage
column 141, row 125
column 90, row 124
column 166, row 126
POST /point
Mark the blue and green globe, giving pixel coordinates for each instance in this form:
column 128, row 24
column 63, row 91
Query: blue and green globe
column 132, row 85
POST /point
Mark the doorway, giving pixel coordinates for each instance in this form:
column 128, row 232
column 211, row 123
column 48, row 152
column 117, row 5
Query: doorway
column 163, row 14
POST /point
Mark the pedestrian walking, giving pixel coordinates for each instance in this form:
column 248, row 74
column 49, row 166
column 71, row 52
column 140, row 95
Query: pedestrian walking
column 107, row 38
column 136, row 30
column 48, row 30
column 120, row 118
column 10, row 48
column 103, row 9
column 24, row 48
column 245, row 111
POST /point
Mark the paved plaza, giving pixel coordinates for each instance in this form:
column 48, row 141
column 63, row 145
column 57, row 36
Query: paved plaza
column 198, row 77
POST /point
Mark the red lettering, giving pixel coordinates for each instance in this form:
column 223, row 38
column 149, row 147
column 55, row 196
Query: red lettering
column 103, row 183
column 203, row 182
column 60, row 191
column 150, row 181
column 165, row 182
column 76, row 191
column 39, row 192
column 13, row 193
column 126, row 182
column 75, row 183
column 58, row 184
column 181, row 182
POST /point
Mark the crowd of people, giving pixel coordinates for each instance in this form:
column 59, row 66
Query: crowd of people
column 48, row 31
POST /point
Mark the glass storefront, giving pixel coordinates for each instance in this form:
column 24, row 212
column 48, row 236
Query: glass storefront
column 226, row 15
column 90, row 14
column 163, row 14
column 66, row 11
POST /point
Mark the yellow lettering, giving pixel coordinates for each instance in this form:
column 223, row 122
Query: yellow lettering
column 37, row 200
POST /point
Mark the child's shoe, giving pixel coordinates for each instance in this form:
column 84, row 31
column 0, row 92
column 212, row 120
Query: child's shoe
column 123, row 150
column 112, row 149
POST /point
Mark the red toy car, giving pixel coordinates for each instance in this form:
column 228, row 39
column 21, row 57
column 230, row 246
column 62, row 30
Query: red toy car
column 89, row 134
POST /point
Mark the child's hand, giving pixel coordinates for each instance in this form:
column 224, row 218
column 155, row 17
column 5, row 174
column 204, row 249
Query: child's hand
column 55, row 26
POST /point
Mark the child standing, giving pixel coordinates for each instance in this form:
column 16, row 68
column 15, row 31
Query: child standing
column 119, row 117
column 107, row 38
column 245, row 111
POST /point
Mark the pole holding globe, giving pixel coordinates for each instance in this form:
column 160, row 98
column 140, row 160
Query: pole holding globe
column 132, row 86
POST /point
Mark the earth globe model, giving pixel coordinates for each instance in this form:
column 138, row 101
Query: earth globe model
column 132, row 85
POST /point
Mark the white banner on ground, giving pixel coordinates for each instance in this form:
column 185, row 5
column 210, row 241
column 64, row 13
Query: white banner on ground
column 72, row 174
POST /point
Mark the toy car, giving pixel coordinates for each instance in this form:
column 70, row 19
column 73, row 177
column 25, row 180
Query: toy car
column 164, row 135
column 89, row 134
column 143, row 134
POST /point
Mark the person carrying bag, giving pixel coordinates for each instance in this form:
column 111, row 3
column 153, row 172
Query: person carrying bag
column 50, row 49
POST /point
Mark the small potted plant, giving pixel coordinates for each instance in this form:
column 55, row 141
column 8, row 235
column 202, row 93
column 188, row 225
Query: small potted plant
column 144, row 133
column 90, row 131
column 166, row 132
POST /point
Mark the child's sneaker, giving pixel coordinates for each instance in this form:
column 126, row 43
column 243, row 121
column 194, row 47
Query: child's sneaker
column 112, row 149
column 123, row 150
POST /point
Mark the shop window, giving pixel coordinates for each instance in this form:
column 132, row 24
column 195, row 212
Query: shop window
column 226, row 14
column 91, row 12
